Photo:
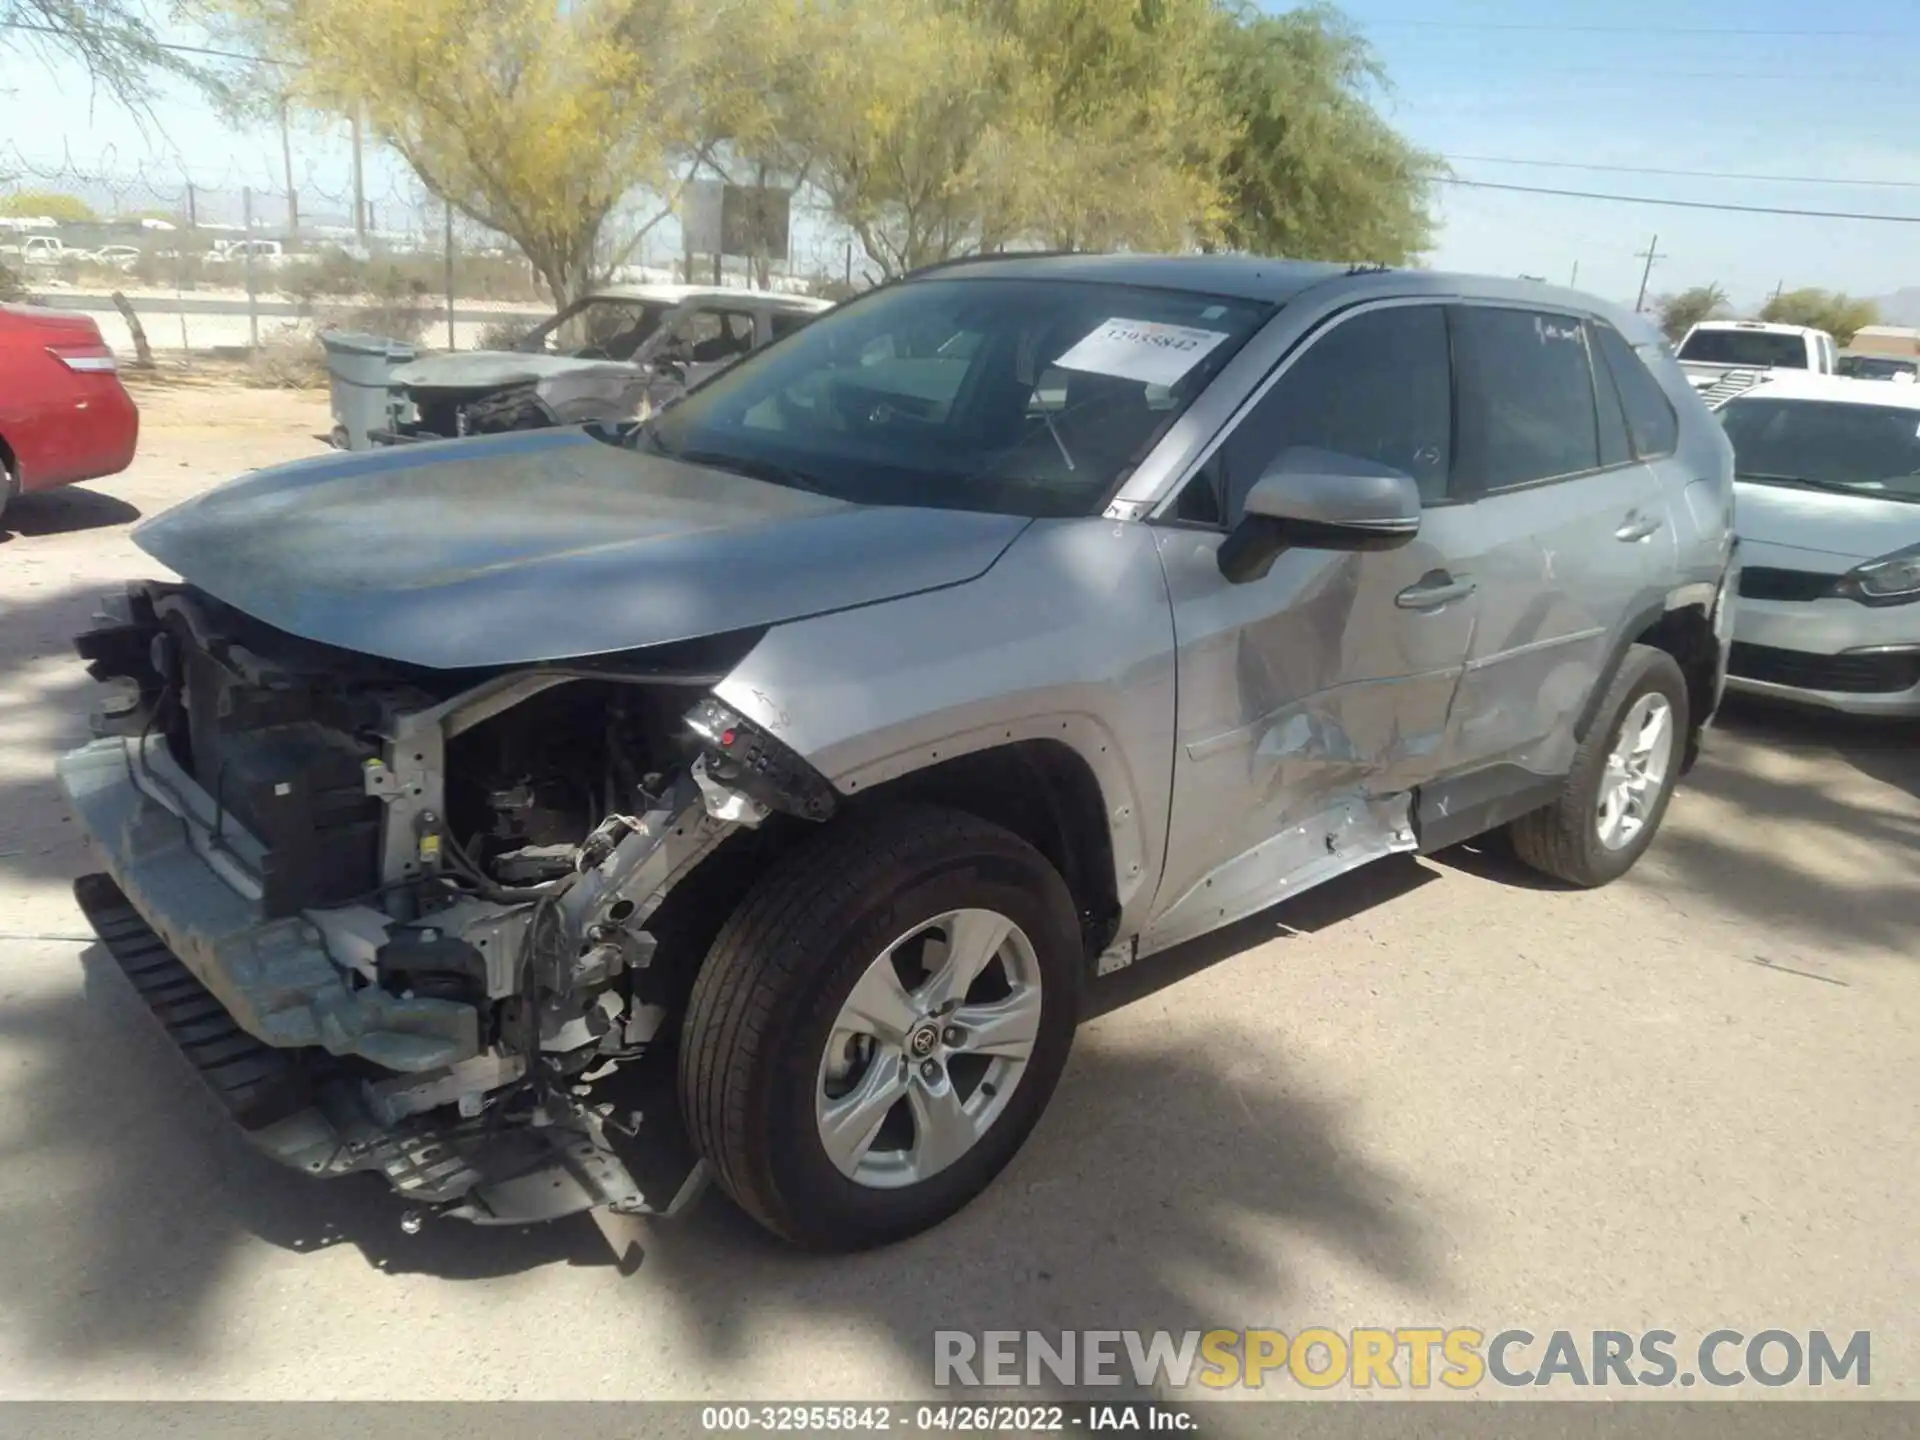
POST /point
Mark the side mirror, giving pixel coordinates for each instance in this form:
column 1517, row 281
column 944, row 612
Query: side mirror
column 1320, row 501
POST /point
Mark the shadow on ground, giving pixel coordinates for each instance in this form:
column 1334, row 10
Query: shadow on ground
column 1884, row 750
column 1801, row 818
column 1151, row 1190
column 45, row 695
column 1806, row 822
column 62, row 512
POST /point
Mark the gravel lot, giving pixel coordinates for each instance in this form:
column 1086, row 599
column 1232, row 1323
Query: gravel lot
column 1434, row 1093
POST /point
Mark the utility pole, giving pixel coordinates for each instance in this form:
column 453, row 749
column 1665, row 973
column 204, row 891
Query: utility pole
column 359, row 187
column 253, row 304
column 1650, row 254
column 286, row 162
column 187, row 272
column 1778, row 288
column 449, row 238
column 1574, row 279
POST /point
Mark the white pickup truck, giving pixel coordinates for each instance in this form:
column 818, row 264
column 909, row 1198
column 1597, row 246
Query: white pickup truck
column 1724, row 357
column 41, row 250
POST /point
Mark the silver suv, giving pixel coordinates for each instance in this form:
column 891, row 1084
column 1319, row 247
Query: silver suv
column 555, row 820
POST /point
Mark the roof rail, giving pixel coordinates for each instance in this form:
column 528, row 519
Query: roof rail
column 987, row 257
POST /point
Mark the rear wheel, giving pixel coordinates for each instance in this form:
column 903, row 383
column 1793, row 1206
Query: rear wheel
column 878, row 1027
column 1623, row 774
column 9, row 483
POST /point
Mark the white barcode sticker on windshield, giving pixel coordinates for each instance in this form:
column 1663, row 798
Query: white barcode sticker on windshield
column 1144, row 350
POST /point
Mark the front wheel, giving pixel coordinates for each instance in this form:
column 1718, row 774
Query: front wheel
column 1623, row 774
column 878, row 1027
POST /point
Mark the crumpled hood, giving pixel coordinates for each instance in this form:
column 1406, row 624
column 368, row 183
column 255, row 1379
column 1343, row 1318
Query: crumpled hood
column 495, row 369
column 546, row 545
column 1833, row 532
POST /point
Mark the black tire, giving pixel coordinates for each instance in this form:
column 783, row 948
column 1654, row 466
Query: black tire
column 1563, row 840
column 766, row 999
column 9, row 487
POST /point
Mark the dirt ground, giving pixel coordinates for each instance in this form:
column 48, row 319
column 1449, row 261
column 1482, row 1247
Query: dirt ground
column 1437, row 1092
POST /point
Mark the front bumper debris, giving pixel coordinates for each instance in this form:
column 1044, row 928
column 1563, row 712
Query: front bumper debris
column 190, row 871
column 310, row 1115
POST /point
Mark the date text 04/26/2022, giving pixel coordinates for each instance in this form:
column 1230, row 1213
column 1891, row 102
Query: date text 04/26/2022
column 947, row 1419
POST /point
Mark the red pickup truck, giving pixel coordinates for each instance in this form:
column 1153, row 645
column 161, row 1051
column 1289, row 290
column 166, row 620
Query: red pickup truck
column 64, row 415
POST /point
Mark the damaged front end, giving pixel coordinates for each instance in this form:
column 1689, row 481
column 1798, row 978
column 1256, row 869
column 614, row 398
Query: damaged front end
column 434, row 400
column 405, row 920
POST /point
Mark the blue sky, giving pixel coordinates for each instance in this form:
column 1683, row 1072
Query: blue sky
column 1767, row 87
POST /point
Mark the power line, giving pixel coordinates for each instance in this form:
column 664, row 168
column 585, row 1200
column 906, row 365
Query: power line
column 1683, row 204
column 157, row 44
column 1686, row 174
column 1802, row 77
column 1628, row 29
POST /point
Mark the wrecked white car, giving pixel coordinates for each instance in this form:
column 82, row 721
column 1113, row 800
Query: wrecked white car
column 619, row 354
column 553, row 820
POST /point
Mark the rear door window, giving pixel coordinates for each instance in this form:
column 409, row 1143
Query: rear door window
column 1527, row 410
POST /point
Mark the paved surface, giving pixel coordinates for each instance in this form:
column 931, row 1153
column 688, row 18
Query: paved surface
column 1433, row 1093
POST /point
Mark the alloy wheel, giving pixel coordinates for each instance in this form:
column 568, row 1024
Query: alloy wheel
column 928, row 1048
column 1636, row 771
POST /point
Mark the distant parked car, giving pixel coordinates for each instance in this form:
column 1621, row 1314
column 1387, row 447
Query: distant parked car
column 1880, row 367
column 64, row 415
column 234, row 252
column 618, row 354
column 1827, row 487
column 119, row 257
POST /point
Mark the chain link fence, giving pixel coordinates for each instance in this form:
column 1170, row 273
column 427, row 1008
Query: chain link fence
column 170, row 263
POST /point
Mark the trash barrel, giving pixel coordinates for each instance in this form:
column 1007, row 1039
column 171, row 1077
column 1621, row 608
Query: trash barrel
column 358, row 367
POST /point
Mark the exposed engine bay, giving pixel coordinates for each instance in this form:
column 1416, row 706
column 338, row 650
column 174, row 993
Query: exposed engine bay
column 450, row 928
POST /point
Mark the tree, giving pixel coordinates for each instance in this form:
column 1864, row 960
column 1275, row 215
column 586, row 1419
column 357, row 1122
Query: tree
column 533, row 118
column 1119, row 129
column 1314, row 172
column 55, row 206
column 896, row 121
column 112, row 38
column 1841, row 316
column 938, row 128
column 1680, row 313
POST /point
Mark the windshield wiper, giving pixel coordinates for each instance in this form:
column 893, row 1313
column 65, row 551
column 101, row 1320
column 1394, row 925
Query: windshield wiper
column 768, row 470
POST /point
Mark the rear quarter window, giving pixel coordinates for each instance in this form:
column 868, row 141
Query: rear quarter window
column 1651, row 420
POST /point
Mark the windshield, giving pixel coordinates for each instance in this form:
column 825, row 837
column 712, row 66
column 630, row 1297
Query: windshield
column 1875, row 367
column 1766, row 348
column 1024, row 397
column 602, row 328
column 1871, row 450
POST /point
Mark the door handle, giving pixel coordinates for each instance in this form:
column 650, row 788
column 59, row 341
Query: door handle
column 1637, row 526
column 1432, row 590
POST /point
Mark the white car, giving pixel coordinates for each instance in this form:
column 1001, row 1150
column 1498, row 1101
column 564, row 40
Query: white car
column 1827, row 506
column 120, row 257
